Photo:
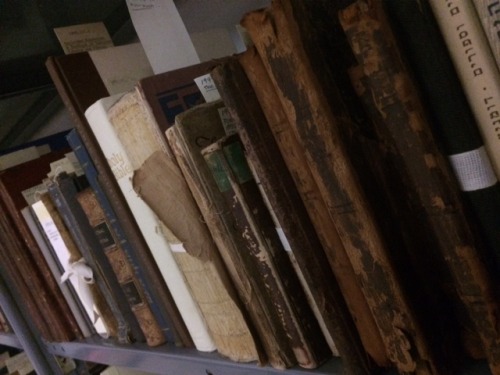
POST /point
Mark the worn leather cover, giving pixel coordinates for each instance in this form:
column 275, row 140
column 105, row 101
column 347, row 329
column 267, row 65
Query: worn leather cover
column 379, row 173
column 316, row 124
column 264, row 254
column 403, row 124
column 292, row 215
column 194, row 129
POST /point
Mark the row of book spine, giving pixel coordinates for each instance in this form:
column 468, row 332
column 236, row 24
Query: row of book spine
column 337, row 199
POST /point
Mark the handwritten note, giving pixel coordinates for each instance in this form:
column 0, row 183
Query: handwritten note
column 84, row 37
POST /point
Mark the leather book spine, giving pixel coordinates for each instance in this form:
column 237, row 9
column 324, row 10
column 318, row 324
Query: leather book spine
column 70, row 254
column 316, row 125
column 193, row 130
column 317, row 210
column 405, row 124
column 265, row 253
column 304, row 245
column 12, row 181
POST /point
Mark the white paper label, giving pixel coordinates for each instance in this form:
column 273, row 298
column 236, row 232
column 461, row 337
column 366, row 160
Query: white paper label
column 207, row 88
column 177, row 247
column 283, row 239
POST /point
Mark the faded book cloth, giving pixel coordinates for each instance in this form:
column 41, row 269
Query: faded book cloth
column 154, row 167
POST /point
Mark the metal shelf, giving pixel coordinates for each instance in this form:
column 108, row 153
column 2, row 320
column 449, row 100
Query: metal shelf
column 170, row 360
column 25, row 337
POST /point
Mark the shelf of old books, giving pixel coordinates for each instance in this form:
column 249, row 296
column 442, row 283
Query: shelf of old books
column 312, row 224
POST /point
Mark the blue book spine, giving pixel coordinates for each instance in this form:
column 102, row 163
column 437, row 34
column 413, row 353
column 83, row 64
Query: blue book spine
column 91, row 173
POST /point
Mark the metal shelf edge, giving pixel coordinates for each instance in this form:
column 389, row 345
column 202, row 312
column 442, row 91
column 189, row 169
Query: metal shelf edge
column 170, row 360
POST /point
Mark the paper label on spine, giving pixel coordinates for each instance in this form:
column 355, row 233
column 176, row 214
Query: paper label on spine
column 207, row 88
column 177, row 248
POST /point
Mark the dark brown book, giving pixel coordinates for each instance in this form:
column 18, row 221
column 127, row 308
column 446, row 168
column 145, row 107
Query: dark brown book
column 403, row 123
column 315, row 205
column 13, row 182
column 410, row 246
column 121, row 267
column 264, row 253
column 277, row 38
column 194, row 129
column 264, row 156
column 79, row 85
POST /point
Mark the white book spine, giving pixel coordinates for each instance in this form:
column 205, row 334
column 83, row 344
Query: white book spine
column 489, row 15
column 476, row 67
column 148, row 222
